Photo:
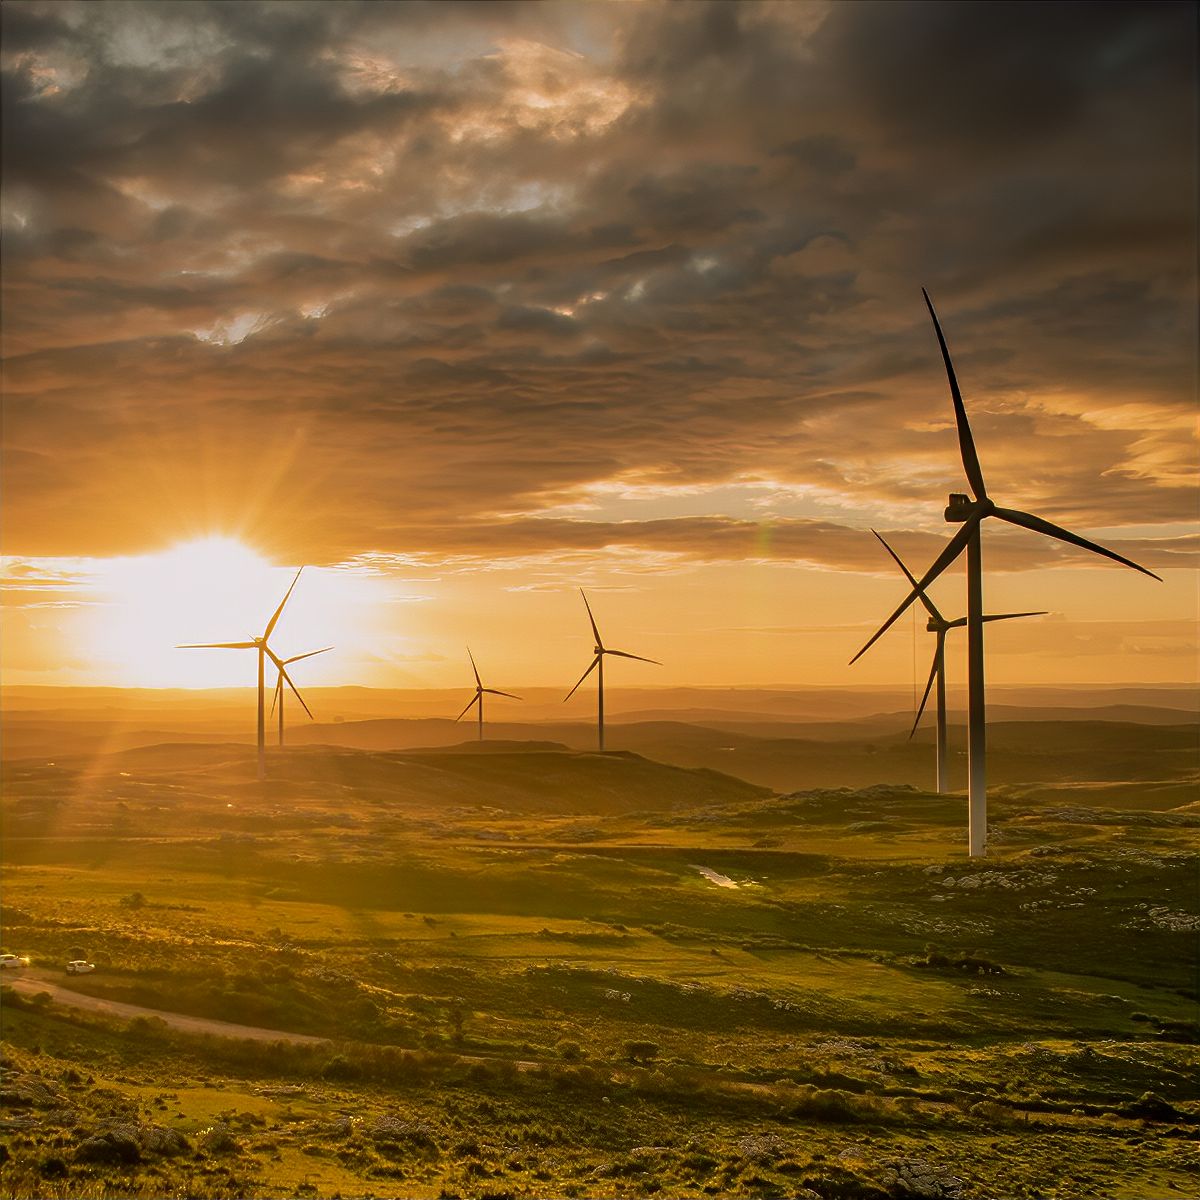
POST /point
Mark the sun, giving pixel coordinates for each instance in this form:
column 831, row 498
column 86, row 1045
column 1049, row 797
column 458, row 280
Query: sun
column 213, row 589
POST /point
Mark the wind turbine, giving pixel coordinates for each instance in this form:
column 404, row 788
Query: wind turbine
column 277, row 697
column 598, row 662
column 264, row 652
column 971, row 514
column 938, row 624
column 480, row 692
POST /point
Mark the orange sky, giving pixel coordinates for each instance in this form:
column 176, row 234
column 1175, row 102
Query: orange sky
column 466, row 307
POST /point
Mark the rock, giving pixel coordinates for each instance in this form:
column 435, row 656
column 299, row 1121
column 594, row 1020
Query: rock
column 118, row 1144
column 761, row 1148
column 917, row 1179
column 157, row 1139
column 27, row 1091
column 129, row 1143
column 395, row 1129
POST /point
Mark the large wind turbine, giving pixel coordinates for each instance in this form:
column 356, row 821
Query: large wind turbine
column 264, row 652
column 598, row 663
column 480, row 692
column 938, row 625
column 971, row 514
column 277, row 698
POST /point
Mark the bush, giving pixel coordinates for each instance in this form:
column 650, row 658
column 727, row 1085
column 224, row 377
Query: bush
column 840, row 1108
column 218, row 1140
column 340, row 1067
column 571, row 1051
column 642, row 1052
column 1150, row 1107
column 52, row 1167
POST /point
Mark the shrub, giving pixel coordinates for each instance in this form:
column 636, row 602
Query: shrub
column 571, row 1051
column 1150, row 1107
column 837, row 1107
column 641, row 1051
column 52, row 1167
column 340, row 1067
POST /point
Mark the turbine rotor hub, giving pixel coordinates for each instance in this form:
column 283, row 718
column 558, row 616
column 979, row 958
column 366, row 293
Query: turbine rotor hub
column 962, row 508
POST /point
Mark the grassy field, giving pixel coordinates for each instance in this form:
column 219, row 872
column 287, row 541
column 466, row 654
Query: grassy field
column 543, row 973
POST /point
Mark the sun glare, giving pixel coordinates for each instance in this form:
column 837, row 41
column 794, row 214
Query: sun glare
column 214, row 589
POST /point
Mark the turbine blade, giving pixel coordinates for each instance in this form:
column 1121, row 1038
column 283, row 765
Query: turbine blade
column 966, row 443
column 298, row 657
column 272, row 622
column 595, row 664
column 924, row 698
column 622, row 654
column 493, row 692
column 962, row 621
column 276, row 693
column 299, row 697
column 473, row 700
column 1039, row 525
column 474, row 668
column 925, row 600
column 216, row 646
column 591, row 618
column 953, row 549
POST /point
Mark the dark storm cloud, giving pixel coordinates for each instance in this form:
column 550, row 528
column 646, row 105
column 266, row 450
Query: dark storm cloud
column 410, row 278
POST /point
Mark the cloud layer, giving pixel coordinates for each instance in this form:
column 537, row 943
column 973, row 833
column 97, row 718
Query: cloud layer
column 462, row 280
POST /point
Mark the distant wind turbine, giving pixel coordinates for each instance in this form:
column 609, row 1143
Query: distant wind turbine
column 598, row 664
column 264, row 652
column 480, row 692
column 971, row 514
column 938, row 624
column 277, row 697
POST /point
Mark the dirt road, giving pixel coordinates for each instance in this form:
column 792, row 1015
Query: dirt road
column 29, row 983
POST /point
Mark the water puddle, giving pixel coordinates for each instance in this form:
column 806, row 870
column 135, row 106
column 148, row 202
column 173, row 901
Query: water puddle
column 715, row 877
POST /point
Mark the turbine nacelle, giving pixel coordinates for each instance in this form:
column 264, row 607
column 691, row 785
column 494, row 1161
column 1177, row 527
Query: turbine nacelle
column 962, row 508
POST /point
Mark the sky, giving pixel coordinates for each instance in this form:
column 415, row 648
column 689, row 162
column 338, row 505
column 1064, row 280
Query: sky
column 463, row 306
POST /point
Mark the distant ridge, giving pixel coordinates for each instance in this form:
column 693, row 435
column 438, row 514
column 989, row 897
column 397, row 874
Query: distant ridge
column 521, row 778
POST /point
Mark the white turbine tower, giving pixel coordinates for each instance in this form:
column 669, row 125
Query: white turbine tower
column 480, row 692
column 971, row 514
column 277, row 698
column 264, row 652
column 598, row 663
column 937, row 624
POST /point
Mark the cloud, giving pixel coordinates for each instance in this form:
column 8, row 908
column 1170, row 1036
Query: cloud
column 351, row 278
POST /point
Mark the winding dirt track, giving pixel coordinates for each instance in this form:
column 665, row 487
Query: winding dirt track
column 29, row 983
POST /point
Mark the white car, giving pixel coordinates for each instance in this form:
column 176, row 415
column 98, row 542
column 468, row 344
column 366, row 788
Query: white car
column 79, row 967
column 13, row 960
